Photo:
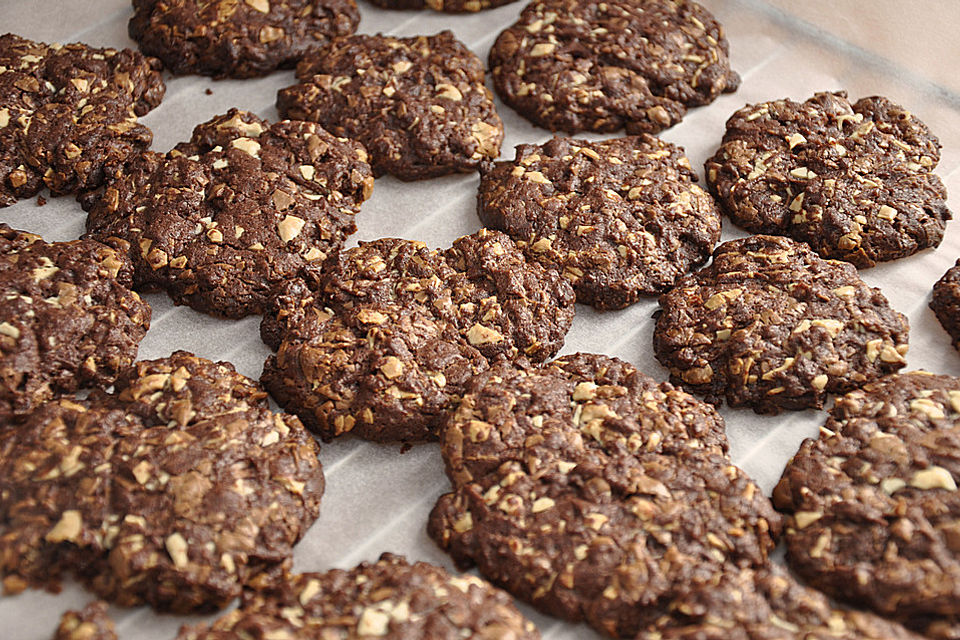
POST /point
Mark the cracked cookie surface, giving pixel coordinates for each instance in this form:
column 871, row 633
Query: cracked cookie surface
column 946, row 302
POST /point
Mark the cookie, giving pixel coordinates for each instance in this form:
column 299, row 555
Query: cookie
column 448, row 6
column 92, row 623
column 68, row 113
column 874, row 506
column 221, row 221
column 771, row 325
column 854, row 181
column 381, row 342
column 419, row 105
column 946, row 302
column 390, row 598
column 578, row 65
column 619, row 218
column 68, row 319
column 174, row 490
column 237, row 39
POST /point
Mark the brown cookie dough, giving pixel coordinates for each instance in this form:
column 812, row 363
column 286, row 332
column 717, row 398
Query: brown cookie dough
column 222, row 221
column 618, row 218
column 770, row 325
column 68, row 113
column 172, row 491
column 390, row 598
column 92, row 623
column 237, row 38
column 946, row 302
column 419, row 105
column 448, row 6
column 854, row 181
column 874, row 506
column 68, row 319
column 580, row 65
column 381, row 341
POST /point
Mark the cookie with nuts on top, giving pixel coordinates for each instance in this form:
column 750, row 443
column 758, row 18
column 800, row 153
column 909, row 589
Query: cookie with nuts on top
column 174, row 490
column 68, row 319
column 68, row 113
column 771, row 325
column 419, row 105
column 237, row 39
column 577, row 65
column 853, row 180
column 390, row 598
column 946, row 302
column 874, row 510
column 381, row 341
column 618, row 218
column 222, row 221
column 92, row 623
column 448, row 6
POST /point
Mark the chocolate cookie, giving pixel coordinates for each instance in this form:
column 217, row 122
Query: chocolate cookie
column 449, row 6
column 854, row 181
column 173, row 491
column 388, row 599
column 618, row 218
column 68, row 319
column 92, row 623
column 237, row 38
column 771, row 325
column 222, row 221
column 382, row 340
column 579, row 65
column 874, row 506
column 419, row 105
column 946, row 302
column 68, row 113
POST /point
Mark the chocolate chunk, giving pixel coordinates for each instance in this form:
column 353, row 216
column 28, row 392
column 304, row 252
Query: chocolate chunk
column 92, row 623
column 946, row 302
column 771, row 325
column 854, row 181
column 448, row 6
column 618, row 218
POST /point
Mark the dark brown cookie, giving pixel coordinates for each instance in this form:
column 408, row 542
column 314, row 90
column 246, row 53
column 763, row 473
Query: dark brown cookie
column 854, row 181
column 237, row 38
column 874, row 506
column 92, row 623
column 382, row 340
column 448, row 6
column 68, row 113
column 771, row 325
column 946, row 302
column 222, row 221
column 419, row 105
column 173, row 491
column 387, row 599
column 618, row 218
column 580, row 65
column 68, row 319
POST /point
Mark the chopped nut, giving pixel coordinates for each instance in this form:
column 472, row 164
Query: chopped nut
column 263, row 6
column 392, row 367
column 311, row 589
column 67, row 529
column 928, row 407
column 248, row 146
column 373, row 622
column 542, row 49
column 933, row 478
column 542, row 504
column 9, row 330
column 887, row 213
column 290, row 227
column 449, row 91
column 480, row 335
column 805, row 518
column 177, row 548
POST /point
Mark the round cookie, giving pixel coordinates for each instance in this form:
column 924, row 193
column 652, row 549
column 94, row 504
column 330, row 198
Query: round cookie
column 68, row 113
column 419, row 105
column 237, row 39
column 946, row 302
column 92, row 623
column 222, row 221
column 874, row 506
column 173, row 491
column 68, row 319
column 448, row 6
column 619, row 218
column 771, row 325
column 579, row 65
column 854, row 181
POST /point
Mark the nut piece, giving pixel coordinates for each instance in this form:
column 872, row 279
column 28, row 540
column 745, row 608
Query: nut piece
column 290, row 227
column 67, row 528
column 177, row 548
column 480, row 335
column 933, row 478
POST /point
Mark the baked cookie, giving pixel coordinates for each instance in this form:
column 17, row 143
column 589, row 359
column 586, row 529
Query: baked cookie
column 419, row 105
column 579, row 65
column 68, row 113
column 874, row 506
column 771, row 325
column 92, row 623
column 448, row 6
column 173, row 491
column 382, row 340
column 387, row 599
column 854, row 181
column 946, row 302
column 68, row 319
column 221, row 221
column 619, row 218
column 237, row 38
